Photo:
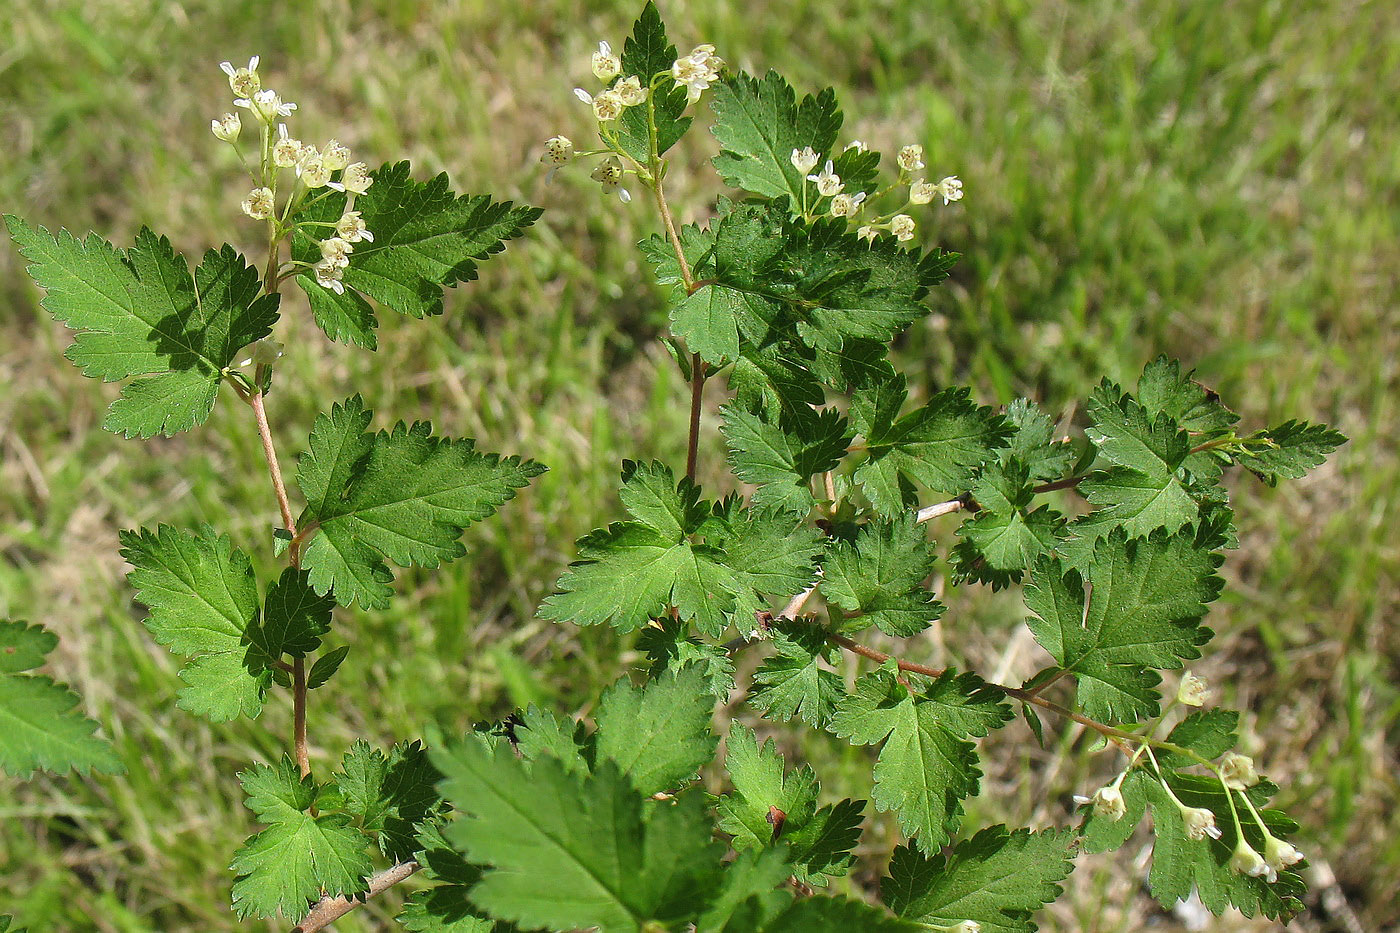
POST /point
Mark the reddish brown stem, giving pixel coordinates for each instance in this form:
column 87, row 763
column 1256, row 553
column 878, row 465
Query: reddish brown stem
column 299, row 715
column 331, row 909
column 255, row 401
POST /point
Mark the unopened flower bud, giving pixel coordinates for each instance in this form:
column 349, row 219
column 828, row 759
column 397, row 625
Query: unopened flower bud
column 335, row 156
column 869, row 233
column 1237, row 771
column 329, row 274
column 227, row 127
column 804, row 160
column 1192, row 690
column 259, row 204
column 910, row 158
column 1245, row 861
column 1280, row 854
column 857, row 145
column 1108, row 802
column 266, row 106
column 606, row 65
column 262, row 352
column 337, row 249
column 902, row 226
column 243, row 81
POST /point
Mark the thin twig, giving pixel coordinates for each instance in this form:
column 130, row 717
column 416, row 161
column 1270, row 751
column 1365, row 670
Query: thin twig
column 697, row 365
column 299, row 715
column 255, row 401
column 331, row 909
column 794, row 608
column 942, row 508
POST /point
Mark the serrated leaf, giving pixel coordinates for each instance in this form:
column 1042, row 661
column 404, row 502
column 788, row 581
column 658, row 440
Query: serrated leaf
column 39, row 729
column 539, row 733
column 389, row 794
column 926, row 766
column 646, row 53
column 403, row 496
column 426, row 238
column 836, row 915
column 669, row 647
column 659, row 734
column 759, row 122
column 1034, row 444
column 288, row 865
column 781, row 456
column 1141, row 613
column 567, row 850
column 880, row 576
column 792, row 682
column 939, row 445
column 139, row 312
column 748, row 893
column 325, row 667
column 203, row 600
column 1005, row 537
column 997, row 879
column 1291, row 450
column 294, row 617
column 447, row 907
column 631, row 572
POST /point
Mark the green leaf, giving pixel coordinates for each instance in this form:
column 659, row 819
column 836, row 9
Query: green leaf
column 389, row 794
column 1033, row 443
column 1164, row 389
column 670, row 648
column 1005, row 537
column 748, row 894
column 39, row 729
column 1141, row 613
column 631, row 572
column 997, row 879
column 568, row 850
column 539, row 733
column 658, row 735
column 325, row 667
column 647, row 52
column 836, row 915
column 880, row 576
column 294, row 617
column 298, row 857
column 1290, row 450
column 426, row 238
column 769, row 806
column 139, row 312
column 939, row 445
column 792, row 682
column 403, row 496
column 447, row 907
column 758, row 123
column 782, row 457
column 203, row 601
column 926, row 766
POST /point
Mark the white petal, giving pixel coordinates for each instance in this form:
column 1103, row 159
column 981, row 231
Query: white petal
column 366, row 235
column 243, row 102
column 625, row 195
column 227, row 67
column 281, row 131
column 583, row 95
column 333, row 184
column 604, row 48
column 253, row 63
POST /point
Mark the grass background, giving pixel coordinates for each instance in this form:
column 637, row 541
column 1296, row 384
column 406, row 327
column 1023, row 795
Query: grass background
column 1212, row 181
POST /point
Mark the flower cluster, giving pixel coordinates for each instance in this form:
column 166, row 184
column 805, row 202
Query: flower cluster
column 697, row 71
column 314, row 169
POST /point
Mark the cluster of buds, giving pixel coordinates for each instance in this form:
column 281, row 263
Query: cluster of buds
column 697, row 71
column 609, row 103
column 1277, row 856
column 327, row 167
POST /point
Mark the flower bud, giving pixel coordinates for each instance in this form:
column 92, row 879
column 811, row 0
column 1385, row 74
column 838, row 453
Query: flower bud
column 227, row 127
column 1200, row 823
column 1280, row 854
column 262, row 352
column 286, row 151
column 313, row 172
column 329, row 275
column 828, row 182
column 337, row 250
column 922, row 192
column 1237, row 771
column 352, row 229
column 1108, row 802
column 1245, row 861
column 609, row 174
column 846, row 205
column 1192, row 691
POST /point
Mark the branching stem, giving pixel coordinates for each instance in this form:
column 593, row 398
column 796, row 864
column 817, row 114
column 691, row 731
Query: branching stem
column 331, row 909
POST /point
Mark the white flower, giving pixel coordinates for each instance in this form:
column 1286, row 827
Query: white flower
column 1200, row 823
column 1237, row 771
column 922, row 192
column 910, row 158
column 266, row 106
column 286, row 151
column 263, row 352
column 1107, row 801
column 846, row 205
column 951, row 189
column 227, row 127
column 606, row 65
column 351, row 228
column 609, row 174
column 1280, row 854
column 902, row 226
column 697, row 70
column 243, row 81
column 335, row 156
column 329, row 275
column 313, row 172
column 857, row 145
column 630, row 91
column 355, row 179
column 606, row 106
column 804, row 160
column 1192, row 691
column 259, row 204
column 869, row 232
column 1246, row 861
column 966, row 926
column 828, row 182
column 337, row 249
column 558, row 150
